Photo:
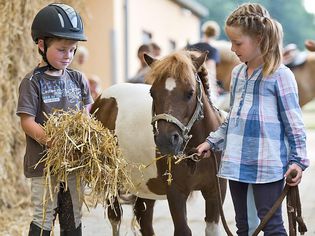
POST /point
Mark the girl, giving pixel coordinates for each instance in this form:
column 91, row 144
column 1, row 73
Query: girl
column 263, row 137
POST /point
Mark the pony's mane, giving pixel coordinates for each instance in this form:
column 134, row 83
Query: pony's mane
column 178, row 65
column 202, row 72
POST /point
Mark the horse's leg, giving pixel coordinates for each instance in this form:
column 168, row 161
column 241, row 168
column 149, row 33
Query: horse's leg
column 114, row 214
column 143, row 210
column 212, row 213
column 212, row 208
column 177, row 204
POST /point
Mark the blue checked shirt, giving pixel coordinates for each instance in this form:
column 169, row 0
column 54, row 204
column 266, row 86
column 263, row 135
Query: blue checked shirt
column 264, row 131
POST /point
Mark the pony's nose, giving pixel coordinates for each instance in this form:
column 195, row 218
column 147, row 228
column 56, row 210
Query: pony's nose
column 168, row 143
column 174, row 139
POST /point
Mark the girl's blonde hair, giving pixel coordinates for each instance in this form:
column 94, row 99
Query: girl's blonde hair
column 254, row 20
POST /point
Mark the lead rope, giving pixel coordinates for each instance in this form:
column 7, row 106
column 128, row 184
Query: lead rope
column 294, row 210
column 226, row 227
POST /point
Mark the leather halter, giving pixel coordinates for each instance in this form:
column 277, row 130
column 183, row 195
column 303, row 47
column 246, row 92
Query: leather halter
column 185, row 129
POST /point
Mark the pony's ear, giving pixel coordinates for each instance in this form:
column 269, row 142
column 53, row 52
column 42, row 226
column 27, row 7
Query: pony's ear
column 148, row 59
column 200, row 60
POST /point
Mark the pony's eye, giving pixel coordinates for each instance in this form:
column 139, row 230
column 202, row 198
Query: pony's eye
column 190, row 94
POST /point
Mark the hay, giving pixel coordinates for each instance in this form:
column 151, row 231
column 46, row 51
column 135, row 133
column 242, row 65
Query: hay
column 81, row 145
column 16, row 221
column 18, row 55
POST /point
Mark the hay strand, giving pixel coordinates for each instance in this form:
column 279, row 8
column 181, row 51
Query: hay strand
column 81, row 145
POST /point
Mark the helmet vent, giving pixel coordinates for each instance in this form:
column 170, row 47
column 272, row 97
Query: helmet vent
column 61, row 21
column 74, row 21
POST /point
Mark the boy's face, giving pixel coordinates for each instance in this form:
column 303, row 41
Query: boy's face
column 60, row 53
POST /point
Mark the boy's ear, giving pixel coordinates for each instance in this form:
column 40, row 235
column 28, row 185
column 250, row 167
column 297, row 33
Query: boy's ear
column 40, row 44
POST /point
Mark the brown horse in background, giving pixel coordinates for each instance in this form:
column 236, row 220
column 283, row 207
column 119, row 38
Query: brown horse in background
column 183, row 118
column 304, row 73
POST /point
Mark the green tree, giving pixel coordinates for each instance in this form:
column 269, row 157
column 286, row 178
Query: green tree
column 297, row 23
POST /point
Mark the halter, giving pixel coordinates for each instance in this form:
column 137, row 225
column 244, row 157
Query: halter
column 198, row 114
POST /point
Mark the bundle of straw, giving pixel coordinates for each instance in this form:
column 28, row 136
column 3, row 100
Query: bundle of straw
column 80, row 143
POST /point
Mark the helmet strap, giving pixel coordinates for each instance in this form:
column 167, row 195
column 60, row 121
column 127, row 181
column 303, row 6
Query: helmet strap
column 44, row 56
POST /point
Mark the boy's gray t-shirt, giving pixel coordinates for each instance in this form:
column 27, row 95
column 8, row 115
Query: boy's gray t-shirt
column 40, row 93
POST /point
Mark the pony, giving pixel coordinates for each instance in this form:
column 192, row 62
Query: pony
column 304, row 71
column 182, row 116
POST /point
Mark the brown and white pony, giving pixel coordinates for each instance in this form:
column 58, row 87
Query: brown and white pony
column 183, row 116
column 304, row 72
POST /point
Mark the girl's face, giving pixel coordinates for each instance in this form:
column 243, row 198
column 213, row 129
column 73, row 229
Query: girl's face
column 60, row 53
column 245, row 47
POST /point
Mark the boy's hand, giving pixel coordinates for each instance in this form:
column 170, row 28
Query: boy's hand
column 49, row 143
column 297, row 179
column 203, row 149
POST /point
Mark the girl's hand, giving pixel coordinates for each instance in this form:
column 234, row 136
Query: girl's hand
column 297, row 179
column 203, row 149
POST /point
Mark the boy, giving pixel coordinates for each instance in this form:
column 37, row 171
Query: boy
column 56, row 29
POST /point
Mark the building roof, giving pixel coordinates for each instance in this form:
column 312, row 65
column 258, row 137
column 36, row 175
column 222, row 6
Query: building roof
column 197, row 8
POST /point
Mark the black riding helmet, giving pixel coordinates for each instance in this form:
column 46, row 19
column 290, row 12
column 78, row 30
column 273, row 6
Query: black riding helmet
column 58, row 20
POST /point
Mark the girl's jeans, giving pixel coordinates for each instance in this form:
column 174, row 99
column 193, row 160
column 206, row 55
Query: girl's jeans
column 265, row 196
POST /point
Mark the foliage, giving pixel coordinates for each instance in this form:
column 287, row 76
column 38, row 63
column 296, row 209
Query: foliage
column 298, row 25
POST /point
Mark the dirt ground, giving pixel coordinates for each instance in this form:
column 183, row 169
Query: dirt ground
column 95, row 222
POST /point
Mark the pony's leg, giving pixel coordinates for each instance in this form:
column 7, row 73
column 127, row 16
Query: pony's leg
column 114, row 214
column 177, row 204
column 143, row 210
column 212, row 209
